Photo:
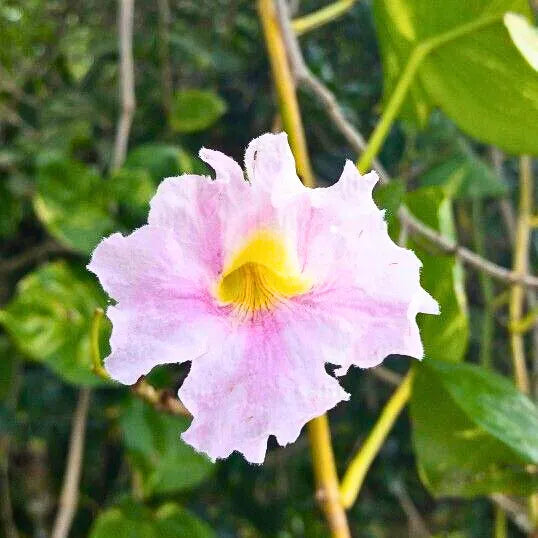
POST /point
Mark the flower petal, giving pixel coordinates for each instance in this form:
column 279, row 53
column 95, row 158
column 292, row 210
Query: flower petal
column 180, row 330
column 226, row 168
column 165, row 313
column 270, row 165
column 260, row 382
column 147, row 266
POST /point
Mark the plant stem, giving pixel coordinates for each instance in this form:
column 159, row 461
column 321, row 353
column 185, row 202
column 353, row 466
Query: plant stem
column 406, row 79
column 70, row 489
column 327, row 490
column 97, row 365
column 285, row 87
column 127, row 85
column 521, row 262
column 356, row 472
column 318, row 428
column 391, row 111
column 500, row 523
column 163, row 43
column 302, row 25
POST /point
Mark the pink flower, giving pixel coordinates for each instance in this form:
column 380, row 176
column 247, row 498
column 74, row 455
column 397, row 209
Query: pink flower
column 259, row 283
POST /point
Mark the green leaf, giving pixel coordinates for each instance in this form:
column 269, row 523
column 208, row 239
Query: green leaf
column 464, row 175
column 72, row 203
column 524, row 36
column 49, row 320
column 195, row 110
column 173, row 521
column 131, row 520
column 445, row 336
column 166, row 463
column 494, row 403
column 475, row 79
column 474, row 433
column 132, row 189
column 160, row 160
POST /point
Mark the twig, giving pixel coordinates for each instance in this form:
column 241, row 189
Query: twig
column 164, row 54
column 356, row 141
column 386, row 375
column 513, row 510
column 6, row 508
column 32, row 255
column 162, row 400
column 70, row 489
column 126, row 73
column 417, row 525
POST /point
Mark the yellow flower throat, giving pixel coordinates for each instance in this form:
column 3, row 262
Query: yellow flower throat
column 261, row 274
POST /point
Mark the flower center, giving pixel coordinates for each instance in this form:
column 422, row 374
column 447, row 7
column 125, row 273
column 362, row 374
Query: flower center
column 261, row 274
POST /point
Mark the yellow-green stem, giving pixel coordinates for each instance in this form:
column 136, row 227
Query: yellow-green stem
column 406, row 79
column 302, row 25
column 327, row 490
column 327, row 486
column 356, row 472
column 525, row 323
column 517, row 292
column 285, row 88
column 97, row 365
column 500, row 530
column 520, row 265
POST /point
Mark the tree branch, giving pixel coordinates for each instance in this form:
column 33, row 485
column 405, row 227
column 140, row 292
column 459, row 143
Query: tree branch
column 70, row 489
column 126, row 73
column 357, row 142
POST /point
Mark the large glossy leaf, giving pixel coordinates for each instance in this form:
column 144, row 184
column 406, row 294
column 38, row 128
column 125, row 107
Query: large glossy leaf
column 480, row 79
column 195, row 110
column 524, row 36
column 132, row 520
column 165, row 462
column 464, row 175
column 72, row 203
column 473, row 432
column 445, row 336
column 49, row 319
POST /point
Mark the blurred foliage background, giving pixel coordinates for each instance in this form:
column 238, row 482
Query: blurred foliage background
column 202, row 78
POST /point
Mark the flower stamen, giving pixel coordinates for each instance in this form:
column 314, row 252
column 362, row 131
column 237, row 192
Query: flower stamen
column 260, row 275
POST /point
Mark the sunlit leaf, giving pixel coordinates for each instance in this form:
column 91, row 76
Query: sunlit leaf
column 480, row 79
column 524, row 36
column 49, row 319
column 474, row 432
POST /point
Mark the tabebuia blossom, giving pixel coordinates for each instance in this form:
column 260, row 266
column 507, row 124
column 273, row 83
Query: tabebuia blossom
column 259, row 282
